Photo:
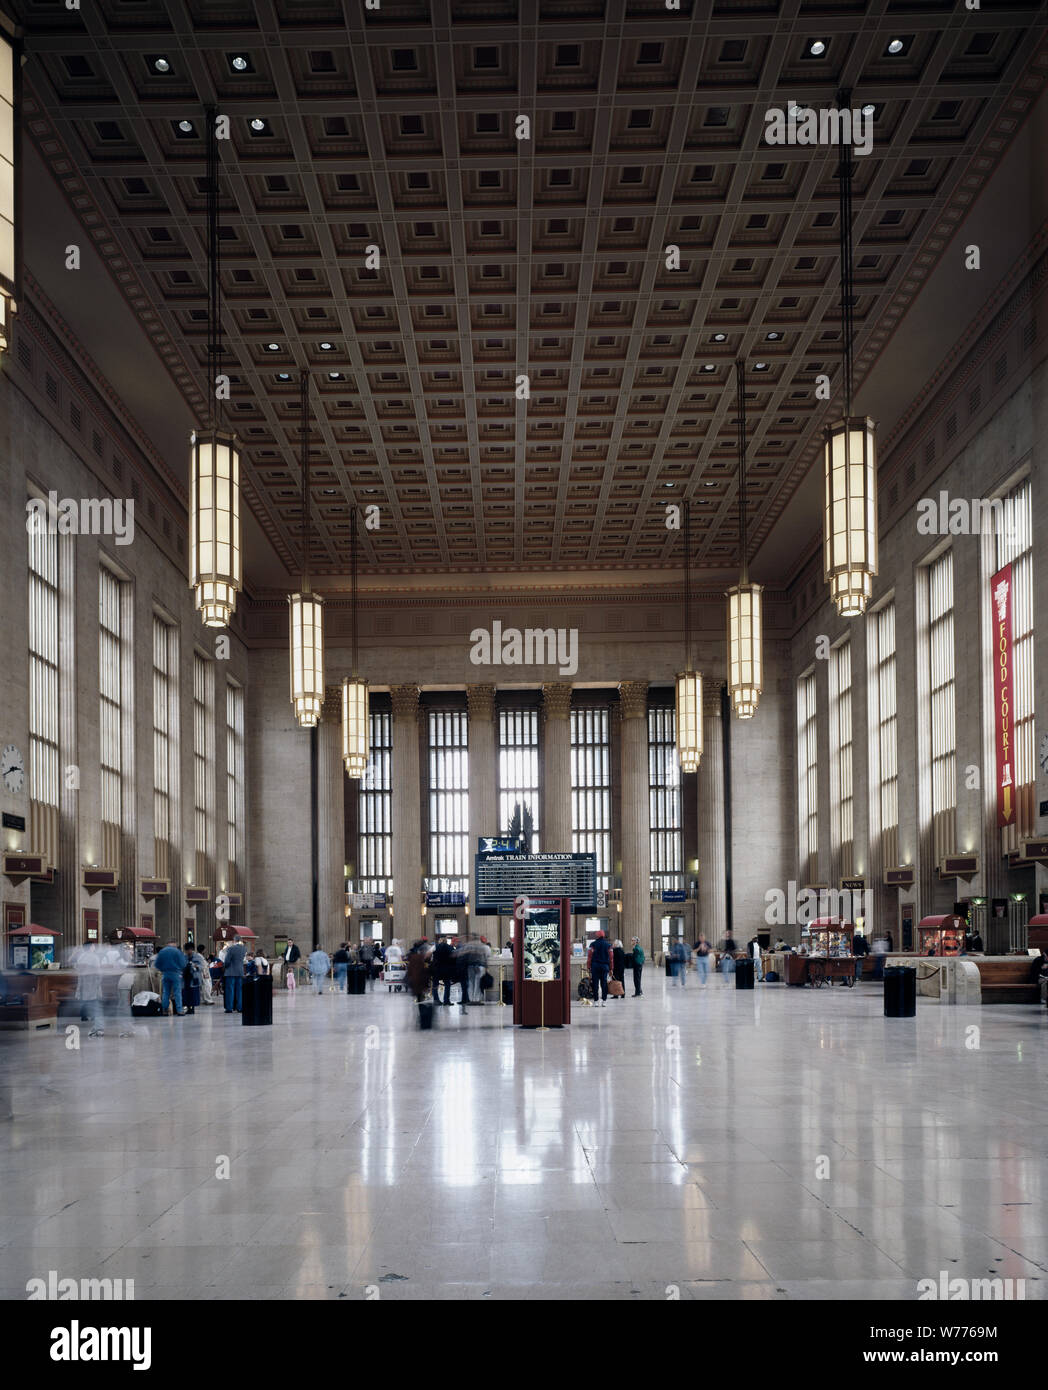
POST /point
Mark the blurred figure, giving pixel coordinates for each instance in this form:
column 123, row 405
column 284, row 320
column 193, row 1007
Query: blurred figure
column 618, row 968
column 679, row 957
column 261, row 964
column 340, row 961
column 442, row 970
column 88, row 965
column 233, row 976
column 319, row 965
column 599, row 961
column 417, row 972
column 171, row 964
column 191, row 980
column 753, row 949
column 461, row 963
column 366, row 956
column 727, row 960
column 478, row 968
column 637, row 959
column 860, row 950
column 702, row 960
column 880, row 950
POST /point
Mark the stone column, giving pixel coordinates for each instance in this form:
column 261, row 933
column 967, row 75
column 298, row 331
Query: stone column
column 635, row 918
column 712, row 886
column 407, row 813
column 331, row 821
column 555, row 829
column 483, row 803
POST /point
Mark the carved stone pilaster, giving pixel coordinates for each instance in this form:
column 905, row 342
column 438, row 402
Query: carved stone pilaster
column 711, row 697
column 556, row 700
column 633, row 699
column 405, row 701
column 480, row 701
column 331, row 709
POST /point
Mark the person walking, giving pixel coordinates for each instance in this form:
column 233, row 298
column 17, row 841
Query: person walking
column 292, row 955
column 478, row 964
column 618, row 968
column 417, row 972
column 727, row 960
column 366, row 956
column 442, row 970
column 171, row 964
column 262, row 965
column 462, row 959
column 702, row 960
column 319, row 965
column 637, row 959
column 233, row 977
column 600, row 962
column 88, row 963
column 340, row 960
column 679, row 954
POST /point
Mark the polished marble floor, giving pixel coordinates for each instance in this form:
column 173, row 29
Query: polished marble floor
column 781, row 1144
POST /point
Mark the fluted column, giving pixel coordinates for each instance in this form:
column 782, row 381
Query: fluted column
column 555, row 829
column 712, row 886
column 483, row 806
column 407, row 811
column 331, row 821
column 636, row 839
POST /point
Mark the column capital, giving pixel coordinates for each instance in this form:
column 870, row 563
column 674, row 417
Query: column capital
column 633, row 699
column 405, row 701
column 711, row 698
column 480, row 701
column 556, row 700
column 332, row 706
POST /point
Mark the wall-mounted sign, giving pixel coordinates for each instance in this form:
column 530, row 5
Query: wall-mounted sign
column 234, row 899
column 445, row 900
column 959, row 866
column 48, row 876
column 602, row 898
column 19, row 866
column 854, row 885
column 14, row 822
column 154, row 887
column 496, row 844
column 500, row 878
column 198, row 895
column 367, row 901
column 1035, row 850
column 92, row 924
column 901, row 876
column 1003, row 694
column 95, row 880
column 673, row 895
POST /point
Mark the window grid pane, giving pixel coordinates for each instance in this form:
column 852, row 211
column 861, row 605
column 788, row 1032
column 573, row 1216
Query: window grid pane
column 43, row 668
column 234, row 784
column 808, row 777
column 1013, row 542
column 110, row 712
column 887, row 734
column 842, row 730
column 449, row 862
column 942, row 707
column 591, row 788
column 664, row 802
column 518, row 755
column 375, row 808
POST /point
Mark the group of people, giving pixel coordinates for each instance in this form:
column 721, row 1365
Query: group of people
column 189, row 979
column 681, row 956
column 607, row 961
column 319, row 965
column 432, row 967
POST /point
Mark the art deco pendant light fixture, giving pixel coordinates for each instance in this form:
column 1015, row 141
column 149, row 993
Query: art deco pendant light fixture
column 354, row 690
column 214, row 473
column 850, row 463
column 689, row 681
column 745, row 637
column 307, row 608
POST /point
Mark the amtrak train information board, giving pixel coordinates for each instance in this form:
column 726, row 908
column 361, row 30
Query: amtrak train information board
column 499, row 878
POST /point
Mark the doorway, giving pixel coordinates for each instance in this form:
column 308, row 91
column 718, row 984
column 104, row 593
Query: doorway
column 672, row 930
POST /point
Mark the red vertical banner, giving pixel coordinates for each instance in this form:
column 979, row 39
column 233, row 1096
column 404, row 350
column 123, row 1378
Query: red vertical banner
column 1003, row 693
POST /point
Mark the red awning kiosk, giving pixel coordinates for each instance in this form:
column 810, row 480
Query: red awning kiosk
column 140, row 940
column 941, row 935
column 830, row 936
column 227, row 933
column 31, row 947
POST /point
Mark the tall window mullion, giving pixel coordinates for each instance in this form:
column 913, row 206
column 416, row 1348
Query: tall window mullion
column 162, row 699
column 591, row 788
column 449, row 801
column 375, row 835
column 518, row 757
column 234, row 784
column 808, row 777
column 44, row 782
column 887, row 734
column 203, row 766
column 942, row 722
column 843, row 818
column 664, row 802
column 110, row 715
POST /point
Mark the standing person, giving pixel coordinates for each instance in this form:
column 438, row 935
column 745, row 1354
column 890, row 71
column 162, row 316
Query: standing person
column 618, row 968
column 233, row 977
column 88, row 963
column 727, row 961
column 461, row 960
column 600, row 961
column 250, row 968
column 417, row 972
column 702, row 959
column 292, row 955
column 192, row 985
column 340, row 961
column 171, row 963
column 679, row 954
column 319, row 965
column 860, row 949
column 478, row 967
column 753, row 950
column 261, row 963
column 442, row 970
column 880, row 950
column 366, row 956
column 637, row 960
column 203, row 973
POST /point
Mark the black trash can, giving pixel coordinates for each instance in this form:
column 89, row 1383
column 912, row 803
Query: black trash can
column 357, row 979
column 507, row 991
column 258, row 1001
column 744, row 974
column 900, row 991
column 425, row 1014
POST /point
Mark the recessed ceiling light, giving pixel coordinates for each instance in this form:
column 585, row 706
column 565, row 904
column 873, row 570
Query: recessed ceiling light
column 711, row 484
column 669, row 485
column 774, row 337
column 760, row 366
column 239, row 63
column 869, row 109
column 817, row 48
column 326, row 347
column 335, row 376
column 272, row 347
column 258, row 124
column 161, row 65
column 283, row 376
column 329, row 492
column 720, row 337
column 186, row 127
column 896, row 46
column 709, row 367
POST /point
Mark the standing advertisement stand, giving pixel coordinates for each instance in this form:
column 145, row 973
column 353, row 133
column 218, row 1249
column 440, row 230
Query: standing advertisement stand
column 541, row 961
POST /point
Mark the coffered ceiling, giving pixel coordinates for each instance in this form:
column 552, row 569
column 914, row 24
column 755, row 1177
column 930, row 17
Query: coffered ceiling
column 395, row 128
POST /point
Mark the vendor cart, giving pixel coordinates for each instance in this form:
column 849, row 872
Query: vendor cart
column 394, row 974
column 941, row 935
column 831, row 960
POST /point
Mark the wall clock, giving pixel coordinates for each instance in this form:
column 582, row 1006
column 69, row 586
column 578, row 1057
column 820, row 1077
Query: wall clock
column 12, row 769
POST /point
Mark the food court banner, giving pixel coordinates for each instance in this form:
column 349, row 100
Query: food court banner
column 1003, row 693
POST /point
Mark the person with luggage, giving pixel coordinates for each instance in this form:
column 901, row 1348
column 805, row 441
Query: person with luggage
column 600, row 962
column 233, row 977
column 340, row 960
column 191, row 986
column 170, row 963
column 618, row 970
column 442, row 970
column 702, row 960
column 319, row 965
column 637, row 959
